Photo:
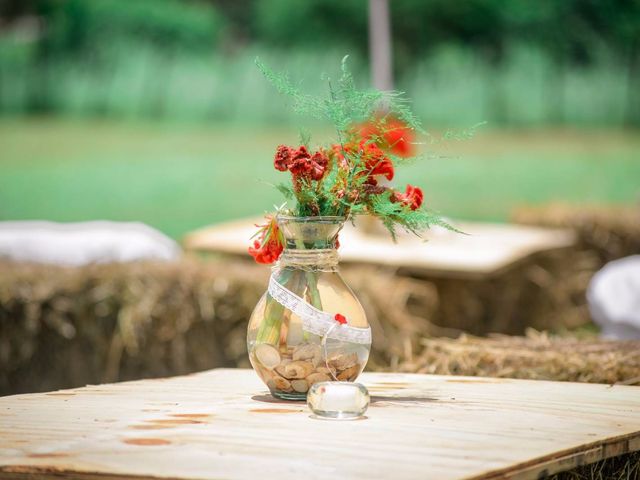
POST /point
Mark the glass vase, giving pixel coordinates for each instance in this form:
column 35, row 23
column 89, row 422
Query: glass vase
column 308, row 327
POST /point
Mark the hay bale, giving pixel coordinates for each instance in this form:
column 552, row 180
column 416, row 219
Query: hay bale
column 610, row 232
column 545, row 291
column 63, row 327
column 536, row 356
column 398, row 309
column 623, row 467
column 604, row 233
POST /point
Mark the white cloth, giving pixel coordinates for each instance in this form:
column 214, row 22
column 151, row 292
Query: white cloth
column 84, row 243
column 614, row 299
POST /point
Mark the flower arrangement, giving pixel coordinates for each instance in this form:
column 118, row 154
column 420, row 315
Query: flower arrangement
column 309, row 327
column 375, row 133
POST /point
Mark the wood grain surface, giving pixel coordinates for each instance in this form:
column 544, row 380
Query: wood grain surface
column 223, row 424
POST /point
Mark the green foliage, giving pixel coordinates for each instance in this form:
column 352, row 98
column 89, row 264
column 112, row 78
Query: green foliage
column 452, row 88
column 345, row 105
column 286, row 190
column 517, row 63
column 394, row 214
column 347, row 186
column 77, row 26
column 312, row 23
column 569, row 30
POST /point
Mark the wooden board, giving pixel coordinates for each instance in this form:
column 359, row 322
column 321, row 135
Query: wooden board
column 222, row 424
column 488, row 247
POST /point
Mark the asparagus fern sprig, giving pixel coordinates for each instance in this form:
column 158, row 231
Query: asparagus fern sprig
column 375, row 131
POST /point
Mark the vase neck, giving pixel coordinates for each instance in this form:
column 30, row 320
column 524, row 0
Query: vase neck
column 310, row 242
column 310, row 233
column 320, row 259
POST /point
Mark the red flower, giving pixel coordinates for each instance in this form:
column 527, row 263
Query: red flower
column 391, row 134
column 318, row 165
column 412, row 197
column 282, row 158
column 338, row 151
column 266, row 253
column 301, row 163
column 340, row 319
column 399, row 138
column 382, row 167
column 369, row 131
column 375, row 160
column 268, row 248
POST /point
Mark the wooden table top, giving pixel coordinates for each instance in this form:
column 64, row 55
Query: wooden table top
column 223, row 424
column 488, row 247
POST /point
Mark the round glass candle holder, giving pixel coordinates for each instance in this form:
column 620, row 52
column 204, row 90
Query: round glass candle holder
column 338, row 400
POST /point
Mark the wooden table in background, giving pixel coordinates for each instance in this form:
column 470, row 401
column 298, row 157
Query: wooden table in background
column 486, row 250
column 222, row 424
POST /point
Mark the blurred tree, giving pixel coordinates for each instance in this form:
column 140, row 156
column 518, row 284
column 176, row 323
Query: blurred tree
column 618, row 22
column 88, row 31
column 478, row 25
column 77, row 25
column 313, row 23
column 11, row 9
column 571, row 34
column 380, row 46
column 239, row 26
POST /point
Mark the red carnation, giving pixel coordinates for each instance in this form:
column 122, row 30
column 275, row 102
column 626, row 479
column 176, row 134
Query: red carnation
column 282, row 158
column 318, row 165
column 412, row 197
column 300, row 153
column 268, row 248
column 301, row 163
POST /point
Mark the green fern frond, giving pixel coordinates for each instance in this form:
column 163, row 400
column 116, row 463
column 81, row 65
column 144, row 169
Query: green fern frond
column 286, row 190
column 344, row 191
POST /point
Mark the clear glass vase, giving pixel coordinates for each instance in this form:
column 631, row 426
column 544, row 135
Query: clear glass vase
column 308, row 327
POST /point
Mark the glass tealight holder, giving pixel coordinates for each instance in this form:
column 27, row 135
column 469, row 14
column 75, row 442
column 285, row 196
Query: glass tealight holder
column 338, row 400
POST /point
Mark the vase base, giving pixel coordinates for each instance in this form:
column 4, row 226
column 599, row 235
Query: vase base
column 292, row 396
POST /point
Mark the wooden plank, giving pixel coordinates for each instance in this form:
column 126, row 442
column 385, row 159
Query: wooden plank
column 222, row 424
column 489, row 247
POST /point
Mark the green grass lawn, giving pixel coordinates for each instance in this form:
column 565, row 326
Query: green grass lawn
column 178, row 177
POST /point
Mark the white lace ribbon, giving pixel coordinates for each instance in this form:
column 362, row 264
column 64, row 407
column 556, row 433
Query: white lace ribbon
column 314, row 320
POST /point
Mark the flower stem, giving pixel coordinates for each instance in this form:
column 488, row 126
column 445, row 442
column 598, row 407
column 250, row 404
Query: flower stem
column 312, row 281
column 312, row 290
column 269, row 331
column 275, row 313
